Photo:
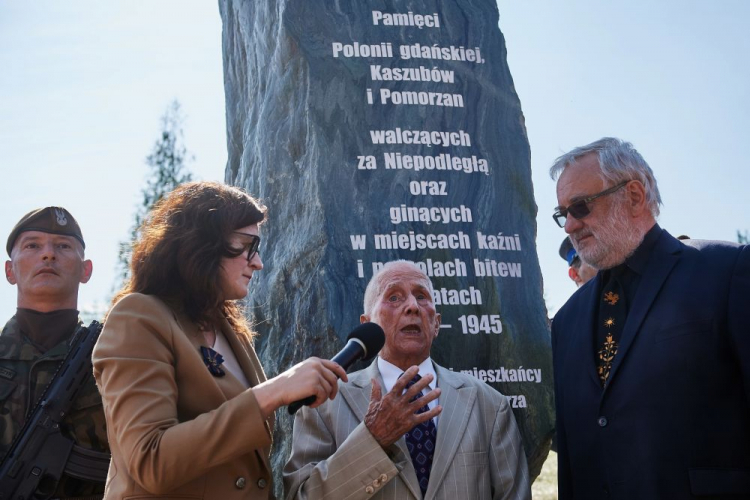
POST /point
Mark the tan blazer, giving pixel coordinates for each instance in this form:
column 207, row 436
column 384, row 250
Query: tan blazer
column 478, row 452
column 175, row 430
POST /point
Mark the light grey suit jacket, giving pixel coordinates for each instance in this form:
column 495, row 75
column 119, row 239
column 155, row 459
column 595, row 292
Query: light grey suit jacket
column 478, row 453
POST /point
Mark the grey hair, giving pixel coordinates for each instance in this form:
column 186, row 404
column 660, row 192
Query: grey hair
column 377, row 284
column 619, row 161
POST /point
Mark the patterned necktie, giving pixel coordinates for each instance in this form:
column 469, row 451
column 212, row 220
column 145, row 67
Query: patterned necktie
column 421, row 443
column 613, row 311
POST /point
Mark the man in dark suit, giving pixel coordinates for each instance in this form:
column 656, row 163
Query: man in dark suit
column 652, row 357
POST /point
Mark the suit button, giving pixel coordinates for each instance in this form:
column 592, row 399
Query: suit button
column 376, row 483
column 383, row 478
column 602, row 421
column 262, row 483
column 240, row 483
column 369, row 490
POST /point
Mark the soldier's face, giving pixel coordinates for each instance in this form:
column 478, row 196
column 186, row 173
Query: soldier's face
column 47, row 268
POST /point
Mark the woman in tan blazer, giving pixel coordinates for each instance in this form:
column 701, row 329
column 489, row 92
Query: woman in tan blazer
column 189, row 410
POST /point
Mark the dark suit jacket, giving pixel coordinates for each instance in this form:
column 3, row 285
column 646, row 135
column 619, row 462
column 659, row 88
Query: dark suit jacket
column 674, row 420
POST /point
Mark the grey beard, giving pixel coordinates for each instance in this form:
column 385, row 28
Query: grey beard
column 616, row 240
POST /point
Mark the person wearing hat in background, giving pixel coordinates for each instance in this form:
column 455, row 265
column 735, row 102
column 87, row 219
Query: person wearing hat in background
column 47, row 265
column 579, row 271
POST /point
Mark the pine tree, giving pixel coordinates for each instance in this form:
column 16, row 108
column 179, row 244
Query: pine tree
column 167, row 170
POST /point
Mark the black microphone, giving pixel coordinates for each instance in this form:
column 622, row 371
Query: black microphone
column 364, row 342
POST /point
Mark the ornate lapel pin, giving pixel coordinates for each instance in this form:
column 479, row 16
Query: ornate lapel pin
column 213, row 361
column 611, row 298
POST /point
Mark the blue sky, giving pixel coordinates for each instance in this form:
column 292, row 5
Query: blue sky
column 83, row 85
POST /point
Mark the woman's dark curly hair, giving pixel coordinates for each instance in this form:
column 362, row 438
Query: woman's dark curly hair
column 179, row 248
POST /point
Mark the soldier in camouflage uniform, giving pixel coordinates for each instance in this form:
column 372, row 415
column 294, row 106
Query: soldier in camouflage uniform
column 47, row 265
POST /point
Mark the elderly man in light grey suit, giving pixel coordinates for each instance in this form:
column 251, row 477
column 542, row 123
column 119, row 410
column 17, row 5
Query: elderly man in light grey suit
column 458, row 441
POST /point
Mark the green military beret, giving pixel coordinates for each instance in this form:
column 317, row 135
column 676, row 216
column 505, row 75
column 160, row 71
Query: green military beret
column 54, row 220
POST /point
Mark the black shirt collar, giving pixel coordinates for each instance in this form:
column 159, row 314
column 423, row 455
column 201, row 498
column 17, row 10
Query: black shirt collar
column 638, row 261
column 46, row 330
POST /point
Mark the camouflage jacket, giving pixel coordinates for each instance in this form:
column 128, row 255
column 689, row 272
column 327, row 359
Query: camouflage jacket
column 24, row 374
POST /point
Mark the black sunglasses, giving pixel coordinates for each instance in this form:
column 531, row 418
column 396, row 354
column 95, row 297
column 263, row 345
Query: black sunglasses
column 251, row 247
column 580, row 208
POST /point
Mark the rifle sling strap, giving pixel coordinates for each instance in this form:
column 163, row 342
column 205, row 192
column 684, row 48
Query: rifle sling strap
column 87, row 464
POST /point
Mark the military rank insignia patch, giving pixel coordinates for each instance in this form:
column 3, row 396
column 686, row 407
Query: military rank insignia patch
column 60, row 216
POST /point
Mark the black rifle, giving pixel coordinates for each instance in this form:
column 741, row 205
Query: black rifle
column 35, row 461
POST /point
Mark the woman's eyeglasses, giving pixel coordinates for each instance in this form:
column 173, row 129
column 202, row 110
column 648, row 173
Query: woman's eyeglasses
column 580, row 209
column 251, row 247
